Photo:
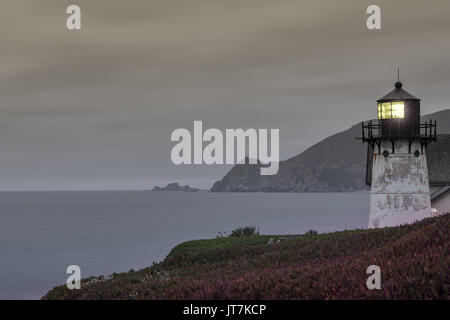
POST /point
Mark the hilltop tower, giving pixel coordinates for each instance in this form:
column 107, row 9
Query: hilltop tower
column 396, row 160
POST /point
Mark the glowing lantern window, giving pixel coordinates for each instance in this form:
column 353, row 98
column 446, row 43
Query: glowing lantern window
column 398, row 110
column 391, row 110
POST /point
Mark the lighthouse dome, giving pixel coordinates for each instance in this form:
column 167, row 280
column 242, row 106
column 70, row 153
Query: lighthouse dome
column 398, row 94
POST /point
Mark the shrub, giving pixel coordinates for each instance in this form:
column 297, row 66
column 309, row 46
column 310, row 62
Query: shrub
column 237, row 232
column 249, row 231
column 246, row 231
column 311, row 232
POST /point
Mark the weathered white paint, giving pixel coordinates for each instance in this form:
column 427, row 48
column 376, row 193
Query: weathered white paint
column 400, row 190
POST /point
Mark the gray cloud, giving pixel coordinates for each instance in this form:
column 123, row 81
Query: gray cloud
column 95, row 108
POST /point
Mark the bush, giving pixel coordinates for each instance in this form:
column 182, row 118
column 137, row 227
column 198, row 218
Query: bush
column 246, row 231
column 311, row 232
column 249, row 231
column 236, row 232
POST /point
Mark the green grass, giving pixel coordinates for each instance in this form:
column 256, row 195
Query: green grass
column 248, row 241
column 220, row 243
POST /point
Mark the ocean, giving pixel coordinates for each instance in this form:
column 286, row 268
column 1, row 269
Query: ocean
column 41, row 233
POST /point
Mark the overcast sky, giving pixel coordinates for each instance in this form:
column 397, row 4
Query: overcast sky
column 95, row 108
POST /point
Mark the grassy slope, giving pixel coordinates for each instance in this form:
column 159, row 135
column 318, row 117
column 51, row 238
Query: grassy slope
column 413, row 260
column 220, row 243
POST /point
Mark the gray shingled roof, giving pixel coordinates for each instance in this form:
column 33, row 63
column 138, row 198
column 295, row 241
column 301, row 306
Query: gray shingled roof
column 440, row 192
column 399, row 94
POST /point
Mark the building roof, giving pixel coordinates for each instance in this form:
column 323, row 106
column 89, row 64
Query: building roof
column 440, row 192
column 398, row 94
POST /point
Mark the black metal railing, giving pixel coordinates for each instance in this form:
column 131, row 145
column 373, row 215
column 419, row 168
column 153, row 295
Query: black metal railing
column 428, row 129
column 370, row 130
column 373, row 131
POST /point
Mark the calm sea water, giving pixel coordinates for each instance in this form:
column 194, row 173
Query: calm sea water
column 41, row 233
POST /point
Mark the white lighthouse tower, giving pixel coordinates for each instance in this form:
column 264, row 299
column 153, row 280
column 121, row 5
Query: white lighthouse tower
column 396, row 161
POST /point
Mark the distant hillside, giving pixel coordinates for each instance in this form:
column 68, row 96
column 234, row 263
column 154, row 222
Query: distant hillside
column 334, row 164
column 438, row 159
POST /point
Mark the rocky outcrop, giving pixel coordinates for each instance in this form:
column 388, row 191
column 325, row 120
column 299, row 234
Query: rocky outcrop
column 175, row 187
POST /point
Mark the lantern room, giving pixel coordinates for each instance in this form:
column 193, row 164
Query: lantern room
column 399, row 114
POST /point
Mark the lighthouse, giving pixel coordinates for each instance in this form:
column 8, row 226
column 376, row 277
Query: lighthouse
column 396, row 160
